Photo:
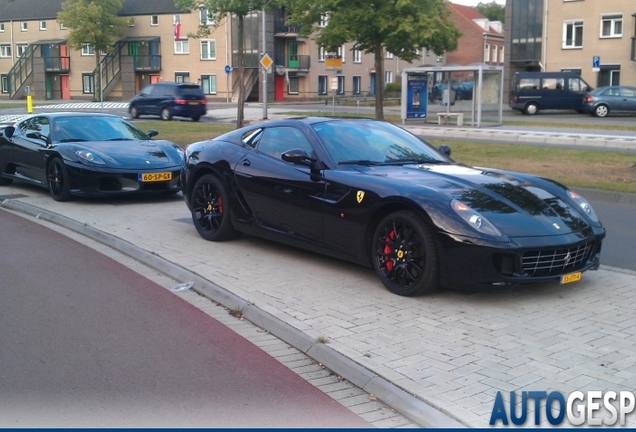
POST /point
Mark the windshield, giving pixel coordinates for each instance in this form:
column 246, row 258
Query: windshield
column 97, row 128
column 373, row 142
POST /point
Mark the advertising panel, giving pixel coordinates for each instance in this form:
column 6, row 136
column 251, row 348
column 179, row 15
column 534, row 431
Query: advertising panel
column 416, row 96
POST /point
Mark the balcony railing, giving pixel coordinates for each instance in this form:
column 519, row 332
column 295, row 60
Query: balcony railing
column 57, row 64
column 298, row 62
column 151, row 63
column 21, row 71
column 281, row 27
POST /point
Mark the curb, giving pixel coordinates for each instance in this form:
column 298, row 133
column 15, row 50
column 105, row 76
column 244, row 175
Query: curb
column 406, row 403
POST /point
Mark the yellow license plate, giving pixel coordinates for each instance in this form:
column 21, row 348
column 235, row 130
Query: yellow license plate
column 155, row 177
column 194, row 102
column 572, row 277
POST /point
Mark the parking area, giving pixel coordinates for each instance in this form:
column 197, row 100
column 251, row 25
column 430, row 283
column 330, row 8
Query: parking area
column 452, row 350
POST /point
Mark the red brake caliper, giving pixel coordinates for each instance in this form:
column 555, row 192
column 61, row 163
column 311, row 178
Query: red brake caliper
column 219, row 205
column 388, row 263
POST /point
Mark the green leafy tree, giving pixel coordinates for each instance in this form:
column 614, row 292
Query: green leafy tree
column 220, row 10
column 374, row 26
column 493, row 11
column 93, row 22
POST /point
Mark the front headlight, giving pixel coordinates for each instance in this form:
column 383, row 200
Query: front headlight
column 585, row 206
column 475, row 219
column 91, row 157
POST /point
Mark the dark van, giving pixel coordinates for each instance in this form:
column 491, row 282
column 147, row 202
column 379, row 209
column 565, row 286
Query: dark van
column 531, row 92
column 169, row 99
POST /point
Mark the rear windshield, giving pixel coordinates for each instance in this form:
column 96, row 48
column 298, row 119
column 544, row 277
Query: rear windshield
column 190, row 90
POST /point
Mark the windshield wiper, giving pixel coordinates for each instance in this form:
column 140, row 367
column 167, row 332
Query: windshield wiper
column 359, row 162
column 120, row 139
column 413, row 161
column 65, row 140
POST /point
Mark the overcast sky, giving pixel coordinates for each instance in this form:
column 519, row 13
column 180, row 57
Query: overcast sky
column 476, row 2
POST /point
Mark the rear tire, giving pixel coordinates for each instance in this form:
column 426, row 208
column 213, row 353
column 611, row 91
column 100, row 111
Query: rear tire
column 211, row 212
column 196, row 118
column 405, row 255
column 133, row 112
column 5, row 181
column 601, row 111
column 165, row 114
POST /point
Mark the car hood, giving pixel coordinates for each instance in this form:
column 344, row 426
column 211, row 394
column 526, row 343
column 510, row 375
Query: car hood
column 135, row 154
column 517, row 204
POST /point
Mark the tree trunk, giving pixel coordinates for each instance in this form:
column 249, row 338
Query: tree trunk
column 379, row 81
column 240, row 115
column 98, row 78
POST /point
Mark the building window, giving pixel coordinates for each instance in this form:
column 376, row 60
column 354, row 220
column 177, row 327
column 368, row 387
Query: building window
column 501, row 54
column 5, row 83
column 293, row 85
column 494, row 53
column 5, row 50
column 208, row 84
column 42, row 25
column 322, row 84
column 20, row 48
column 573, row 34
column 63, row 27
column 154, row 20
column 176, row 19
column 208, row 50
column 324, row 20
column 388, row 55
column 322, row 54
column 357, row 56
column 356, row 85
column 131, row 22
column 388, row 77
column 341, row 52
column 87, row 49
column 181, row 46
column 88, row 83
column 612, row 25
column 204, row 17
column 341, row 85
column 182, row 77
column 1, row 27
column 486, row 53
column 24, row 26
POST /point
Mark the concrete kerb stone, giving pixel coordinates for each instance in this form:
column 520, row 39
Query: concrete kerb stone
column 389, row 393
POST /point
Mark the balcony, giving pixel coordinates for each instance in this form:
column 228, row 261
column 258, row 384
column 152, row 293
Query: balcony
column 147, row 63
column 295, row 63
column 57, row 64
column 283, row 29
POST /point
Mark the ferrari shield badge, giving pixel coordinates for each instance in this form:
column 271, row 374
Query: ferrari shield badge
column 360, row 196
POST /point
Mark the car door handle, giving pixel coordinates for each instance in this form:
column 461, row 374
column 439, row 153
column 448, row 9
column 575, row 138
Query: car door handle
column 246, row 162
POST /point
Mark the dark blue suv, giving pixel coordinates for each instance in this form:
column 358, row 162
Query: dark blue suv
column 168, row 99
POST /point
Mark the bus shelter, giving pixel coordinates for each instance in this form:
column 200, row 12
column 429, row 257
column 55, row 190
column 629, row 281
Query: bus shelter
column 463, row 95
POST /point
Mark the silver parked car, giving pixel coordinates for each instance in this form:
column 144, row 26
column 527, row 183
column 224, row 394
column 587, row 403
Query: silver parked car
column 602, row 101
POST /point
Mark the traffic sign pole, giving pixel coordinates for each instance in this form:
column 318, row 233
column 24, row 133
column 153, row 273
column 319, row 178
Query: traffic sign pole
column 228, row 70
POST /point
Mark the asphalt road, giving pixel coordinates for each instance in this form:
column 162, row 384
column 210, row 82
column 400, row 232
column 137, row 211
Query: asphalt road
column 87, row 342
column 619, row 246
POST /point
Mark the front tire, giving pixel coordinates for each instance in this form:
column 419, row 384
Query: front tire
column 405, row 255
column 531, row 109
column 59, row 182
column 211, row 210
column 601, row 111
column 133, row 112
column 165, row 114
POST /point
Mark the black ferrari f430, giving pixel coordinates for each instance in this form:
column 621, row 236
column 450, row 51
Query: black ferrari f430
column 372, row 193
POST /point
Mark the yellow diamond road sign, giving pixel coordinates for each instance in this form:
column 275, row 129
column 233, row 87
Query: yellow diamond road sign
column 266, row 61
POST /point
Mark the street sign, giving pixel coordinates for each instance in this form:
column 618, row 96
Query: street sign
column 596, row 64
column 228, row 69
column 266, row 61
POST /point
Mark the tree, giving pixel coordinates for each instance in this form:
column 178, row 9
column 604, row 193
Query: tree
column 93, row 22
column 220, row 10
column 401, row 27
column 493, row 11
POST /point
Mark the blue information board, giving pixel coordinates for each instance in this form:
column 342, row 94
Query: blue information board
column 416, row 96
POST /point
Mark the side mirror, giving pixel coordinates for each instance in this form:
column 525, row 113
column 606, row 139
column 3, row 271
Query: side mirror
column 9, row 131
column 445, row 150
column 152, row 133
column 297, row 156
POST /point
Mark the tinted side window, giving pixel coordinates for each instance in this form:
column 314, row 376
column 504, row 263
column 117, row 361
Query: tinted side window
column 277, row 140
column 553, row 83
column 529, row 83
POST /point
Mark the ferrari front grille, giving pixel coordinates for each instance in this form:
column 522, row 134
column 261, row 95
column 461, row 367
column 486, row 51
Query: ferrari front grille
column 556, row 261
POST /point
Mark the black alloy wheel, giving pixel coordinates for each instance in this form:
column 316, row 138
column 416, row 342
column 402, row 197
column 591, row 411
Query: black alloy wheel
column 211, row 210
column 405, row 256
column 57, row 175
